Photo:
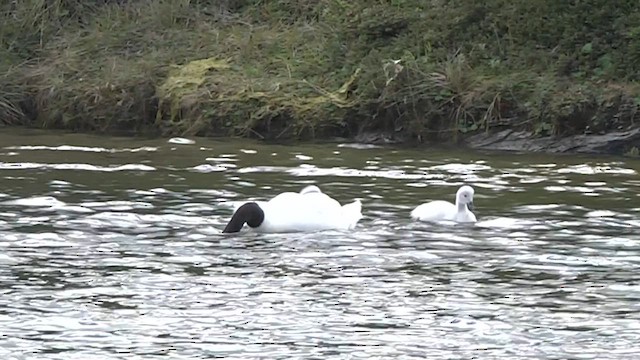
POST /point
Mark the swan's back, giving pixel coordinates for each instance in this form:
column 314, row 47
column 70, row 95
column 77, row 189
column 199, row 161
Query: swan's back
column 308, row 211
column 438, row 210
column 336, row 216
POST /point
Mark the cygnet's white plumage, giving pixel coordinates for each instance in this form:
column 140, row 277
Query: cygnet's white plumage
column 440, row 210
column 306, row 211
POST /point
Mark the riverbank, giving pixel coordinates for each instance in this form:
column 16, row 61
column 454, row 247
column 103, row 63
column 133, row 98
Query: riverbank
column 311, row 69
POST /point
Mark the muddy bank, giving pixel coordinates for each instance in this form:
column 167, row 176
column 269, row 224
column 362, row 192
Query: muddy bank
column 615, row 143
column 625, row 142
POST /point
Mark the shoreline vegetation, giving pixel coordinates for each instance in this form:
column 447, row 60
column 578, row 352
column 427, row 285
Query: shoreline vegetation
column 437, row 71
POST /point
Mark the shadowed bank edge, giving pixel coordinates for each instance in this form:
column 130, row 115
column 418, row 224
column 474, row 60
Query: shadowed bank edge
column 518, row 75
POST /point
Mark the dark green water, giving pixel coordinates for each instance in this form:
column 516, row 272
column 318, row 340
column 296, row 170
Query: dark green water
column 111, row 248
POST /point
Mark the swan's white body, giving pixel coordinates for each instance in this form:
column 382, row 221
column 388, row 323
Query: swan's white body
column 440, row 210
column 307, row 211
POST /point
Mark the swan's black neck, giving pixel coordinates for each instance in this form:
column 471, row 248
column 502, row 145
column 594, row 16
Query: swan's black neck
column 249, row 213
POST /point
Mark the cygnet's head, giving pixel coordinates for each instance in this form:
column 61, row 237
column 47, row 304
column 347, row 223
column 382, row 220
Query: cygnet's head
column 464, row 196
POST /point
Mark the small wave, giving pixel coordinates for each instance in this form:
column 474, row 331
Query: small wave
column 309, row 170
column 81, row 148
column 358, row 146
column 585, row 169
column 48, row 202
column 77, row 166
column 181, row 141
column 207, row 168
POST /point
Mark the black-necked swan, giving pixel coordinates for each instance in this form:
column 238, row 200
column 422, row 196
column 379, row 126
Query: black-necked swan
column 306, row 211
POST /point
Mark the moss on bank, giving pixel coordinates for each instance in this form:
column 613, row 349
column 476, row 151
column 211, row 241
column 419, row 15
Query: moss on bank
column 431, row 70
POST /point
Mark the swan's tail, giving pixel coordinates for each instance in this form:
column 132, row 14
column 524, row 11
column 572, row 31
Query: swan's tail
column 415, row 215
column 352, row 213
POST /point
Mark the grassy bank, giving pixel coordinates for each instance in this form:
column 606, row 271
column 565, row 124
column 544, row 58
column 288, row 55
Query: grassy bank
column 431, row 70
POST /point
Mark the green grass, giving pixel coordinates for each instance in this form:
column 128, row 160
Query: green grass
column 314, row 68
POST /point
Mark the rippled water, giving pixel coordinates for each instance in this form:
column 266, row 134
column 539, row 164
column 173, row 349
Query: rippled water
column 111, row 248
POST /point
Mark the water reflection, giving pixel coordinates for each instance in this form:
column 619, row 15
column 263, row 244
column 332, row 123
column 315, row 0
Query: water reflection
column 113, row 246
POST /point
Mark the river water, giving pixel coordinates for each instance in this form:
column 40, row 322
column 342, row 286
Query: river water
column 111, row 248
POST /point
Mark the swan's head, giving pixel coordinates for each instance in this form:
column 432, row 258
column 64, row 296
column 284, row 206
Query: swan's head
column 249, row 213
column 464, row 196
